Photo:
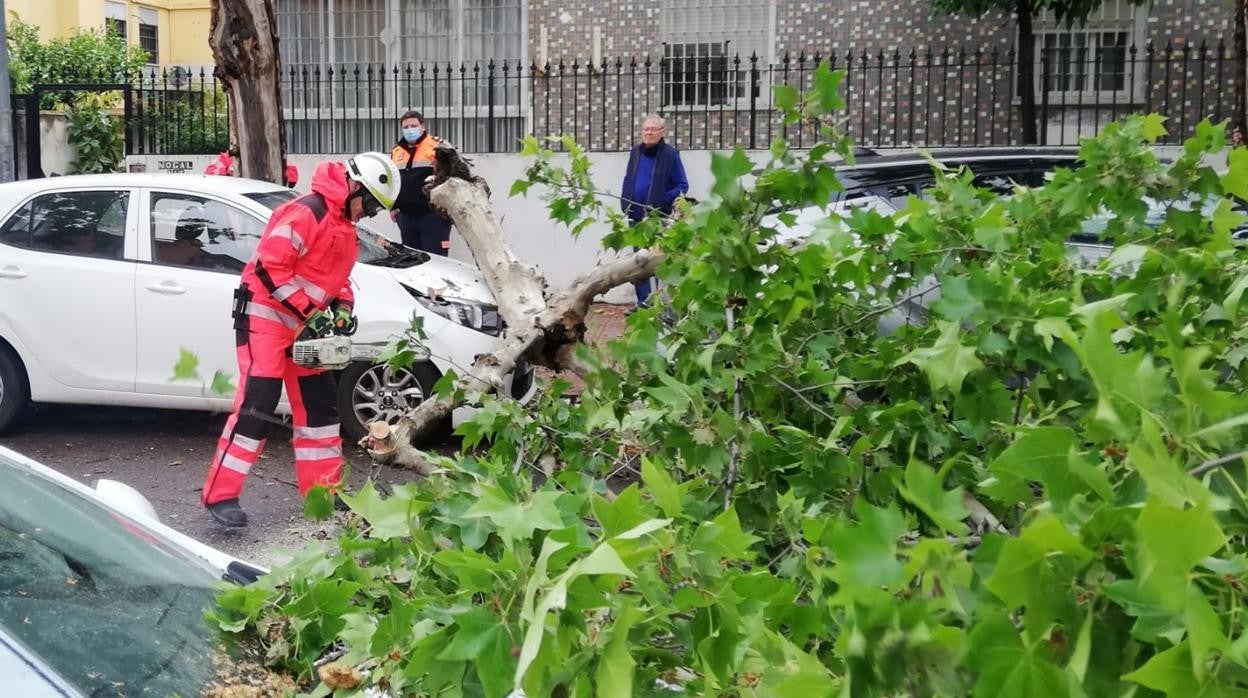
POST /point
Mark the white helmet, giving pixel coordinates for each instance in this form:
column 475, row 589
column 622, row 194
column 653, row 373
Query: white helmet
column 378, row 174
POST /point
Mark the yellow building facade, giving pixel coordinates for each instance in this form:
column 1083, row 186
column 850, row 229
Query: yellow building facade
column 177, row 28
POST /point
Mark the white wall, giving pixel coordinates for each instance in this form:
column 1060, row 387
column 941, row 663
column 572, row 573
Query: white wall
column 537, row 240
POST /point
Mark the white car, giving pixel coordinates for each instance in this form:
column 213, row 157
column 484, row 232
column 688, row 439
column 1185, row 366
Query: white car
column 104, row 279
column 98, row 597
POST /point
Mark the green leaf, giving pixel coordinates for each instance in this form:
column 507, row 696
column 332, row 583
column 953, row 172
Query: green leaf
column 476, row 629
column 520, row 186
column 222, row 384
column 786, row 97
column 1171, row 673
column 644, row 528
column 387, row 518
column 518, row 520
column 187, row 367
column 1047, row 455
column 1052, row 327
column 1170, row 542
column 664, row 490
column 1235, row 181
column 1231, row 304
column 1036, row 570
column 1226, row 218
column 318, row 505
column 1007, row 667
column 828, row 88
column 1078, row 664
column 924, row 488
column 956, row 301
column 1154, row 127
column 1204, row 630
column 866, row 553
column 948, row 361
column 723, row 538
column 614, row 676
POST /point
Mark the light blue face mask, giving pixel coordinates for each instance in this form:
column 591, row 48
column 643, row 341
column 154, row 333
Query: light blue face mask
column 411, row 135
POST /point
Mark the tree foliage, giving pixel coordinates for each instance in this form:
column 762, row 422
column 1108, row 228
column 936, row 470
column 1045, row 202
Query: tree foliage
column 1038, row 491
column 86, row 56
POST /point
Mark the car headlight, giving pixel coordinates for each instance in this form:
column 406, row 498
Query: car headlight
column 478, row 316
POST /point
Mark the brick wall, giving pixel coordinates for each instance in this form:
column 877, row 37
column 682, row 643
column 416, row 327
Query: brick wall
column 914, row 76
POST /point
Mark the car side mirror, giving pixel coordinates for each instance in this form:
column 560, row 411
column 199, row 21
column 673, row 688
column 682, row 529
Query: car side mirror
column 126, row 499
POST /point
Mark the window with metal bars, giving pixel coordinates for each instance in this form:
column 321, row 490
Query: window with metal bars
column 149, row 35
column 115, row 19
column 362, row 62
column 1089, row 58
column 707, row 45
column 699, row 74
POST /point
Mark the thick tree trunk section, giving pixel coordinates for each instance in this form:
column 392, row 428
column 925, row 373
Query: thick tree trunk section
column 520, row 290
column 1026, row 72
column 550, row 340
column 544, row 332
column 243, row 36
column 1241, row 66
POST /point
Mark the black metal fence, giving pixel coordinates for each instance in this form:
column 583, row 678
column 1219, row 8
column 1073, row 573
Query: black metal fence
column 900, row 97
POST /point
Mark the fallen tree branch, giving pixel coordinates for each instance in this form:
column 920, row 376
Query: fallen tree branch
column 1216, row 463
column 543, row 331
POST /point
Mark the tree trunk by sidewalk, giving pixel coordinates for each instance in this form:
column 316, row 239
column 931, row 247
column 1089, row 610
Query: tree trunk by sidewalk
column 1241, row 70
column 243, row 36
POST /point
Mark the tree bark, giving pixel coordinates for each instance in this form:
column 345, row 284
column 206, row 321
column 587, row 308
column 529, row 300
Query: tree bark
column 1241, row 66
column 243, row 36
column 1026, row 71
column 544, row 331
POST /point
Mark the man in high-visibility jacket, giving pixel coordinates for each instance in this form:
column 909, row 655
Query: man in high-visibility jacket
column 299, row 271
column 419, row 225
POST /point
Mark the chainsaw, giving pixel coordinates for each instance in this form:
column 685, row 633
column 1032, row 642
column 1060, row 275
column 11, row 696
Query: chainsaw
column 334, row 352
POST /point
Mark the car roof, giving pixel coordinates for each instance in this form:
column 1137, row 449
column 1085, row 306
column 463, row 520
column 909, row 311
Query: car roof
column 1004, row 156
column 209, row 184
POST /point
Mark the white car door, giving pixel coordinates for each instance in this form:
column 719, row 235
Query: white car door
column 198, row 246
column 67, row 275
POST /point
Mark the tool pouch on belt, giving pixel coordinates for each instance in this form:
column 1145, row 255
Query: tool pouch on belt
column 242, row 296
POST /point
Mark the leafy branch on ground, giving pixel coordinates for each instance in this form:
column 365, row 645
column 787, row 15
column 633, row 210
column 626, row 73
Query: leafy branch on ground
column 994, row 498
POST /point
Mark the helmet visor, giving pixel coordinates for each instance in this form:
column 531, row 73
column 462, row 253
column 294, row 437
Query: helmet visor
column 370, row 203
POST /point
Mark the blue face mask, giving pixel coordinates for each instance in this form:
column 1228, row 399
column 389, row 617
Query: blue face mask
column 411, row 135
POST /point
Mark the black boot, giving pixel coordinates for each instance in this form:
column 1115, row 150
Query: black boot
column 227, row 512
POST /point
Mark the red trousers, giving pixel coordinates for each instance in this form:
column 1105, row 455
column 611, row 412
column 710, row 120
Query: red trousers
column 265, row 335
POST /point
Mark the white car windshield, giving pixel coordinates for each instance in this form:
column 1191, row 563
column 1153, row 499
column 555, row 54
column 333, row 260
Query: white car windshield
column 103, row 603
column 375, row 248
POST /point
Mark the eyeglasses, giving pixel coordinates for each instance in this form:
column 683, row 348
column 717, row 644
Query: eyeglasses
column 649, row 129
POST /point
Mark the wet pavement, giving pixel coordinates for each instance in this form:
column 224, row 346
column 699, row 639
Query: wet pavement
column 164, row 454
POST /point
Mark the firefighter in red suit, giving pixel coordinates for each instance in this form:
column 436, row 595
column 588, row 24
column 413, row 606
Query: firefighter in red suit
column 297, row 282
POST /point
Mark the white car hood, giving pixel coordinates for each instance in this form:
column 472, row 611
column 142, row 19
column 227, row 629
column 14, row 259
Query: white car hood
column 445, row 277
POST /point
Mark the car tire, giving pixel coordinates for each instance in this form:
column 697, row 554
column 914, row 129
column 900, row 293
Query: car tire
column 367, row 392
column 14, row 389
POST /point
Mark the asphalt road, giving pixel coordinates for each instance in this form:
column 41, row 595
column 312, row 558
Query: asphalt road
column 165, row 453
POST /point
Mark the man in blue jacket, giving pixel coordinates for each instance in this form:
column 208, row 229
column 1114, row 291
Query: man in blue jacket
column 655, row 178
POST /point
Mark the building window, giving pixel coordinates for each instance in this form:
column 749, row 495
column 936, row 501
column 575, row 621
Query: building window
column 695, row 74
column 702, row 42
column 1090, row 58
column 360, row 32
column 115, row 19
column 386, row 56
column 149, row 35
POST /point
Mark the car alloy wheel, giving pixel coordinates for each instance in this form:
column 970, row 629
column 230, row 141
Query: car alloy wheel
column 385, row 393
